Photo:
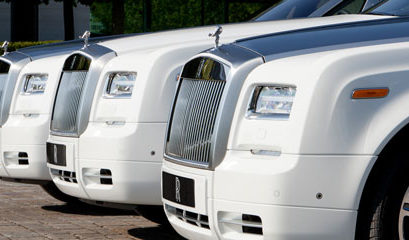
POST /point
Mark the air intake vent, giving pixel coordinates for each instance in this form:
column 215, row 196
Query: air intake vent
column 243, row 224
column 65, row 176
column 195, row 111
column 253, row 225
column 97, row 176
column 105, row 176
column 64, row 118
column 198, row 220
column 16, row 158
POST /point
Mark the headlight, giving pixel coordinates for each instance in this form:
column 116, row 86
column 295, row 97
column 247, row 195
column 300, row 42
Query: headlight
column 35, row 83
column 272, row 101
column 120, row 84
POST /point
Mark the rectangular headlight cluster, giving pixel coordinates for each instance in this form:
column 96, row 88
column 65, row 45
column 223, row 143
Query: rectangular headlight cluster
column 120, row 84
column 35, row 83
column 272, row 101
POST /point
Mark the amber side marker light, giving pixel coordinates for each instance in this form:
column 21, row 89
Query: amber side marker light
column 370, row 93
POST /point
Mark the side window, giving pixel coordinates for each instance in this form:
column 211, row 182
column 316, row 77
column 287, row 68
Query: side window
column 347, row 7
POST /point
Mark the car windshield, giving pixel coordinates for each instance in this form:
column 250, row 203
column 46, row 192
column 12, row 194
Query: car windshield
column 391, row 7
column 287, row 9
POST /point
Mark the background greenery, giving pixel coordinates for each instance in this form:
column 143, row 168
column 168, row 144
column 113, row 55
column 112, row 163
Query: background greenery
column 171, row 14
column 166, row 14
column 16, row 45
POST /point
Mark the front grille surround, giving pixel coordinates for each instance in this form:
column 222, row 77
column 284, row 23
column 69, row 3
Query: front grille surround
column 237, row 62
column 70, row 116
column 69, row 93
column 195, row 110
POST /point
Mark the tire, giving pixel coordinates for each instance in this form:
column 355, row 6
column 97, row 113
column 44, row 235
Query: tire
column 404, row 217
column 154, row 214
column 381, row 215
column 53, row 191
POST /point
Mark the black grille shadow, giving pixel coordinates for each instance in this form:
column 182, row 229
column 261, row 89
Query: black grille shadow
column 155, row 233
column 86, row 209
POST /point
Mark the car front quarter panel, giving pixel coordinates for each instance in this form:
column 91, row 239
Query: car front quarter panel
column 324, row 118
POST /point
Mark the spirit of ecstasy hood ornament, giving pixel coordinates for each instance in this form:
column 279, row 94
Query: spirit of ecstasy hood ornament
column 216, row 35
column 5, row 47
column 85, row 36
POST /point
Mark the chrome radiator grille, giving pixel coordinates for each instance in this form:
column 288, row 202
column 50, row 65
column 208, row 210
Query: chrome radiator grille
column 195, row 111
column 69, row 93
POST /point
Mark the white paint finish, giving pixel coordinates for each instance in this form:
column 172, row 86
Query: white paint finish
column 289, row 223
column 37, row 168
column 21, row 130
column 38, row 103
column 323, row 108
column 128, row 142
column 133, row 182
column 292, row 180
column 23, row 133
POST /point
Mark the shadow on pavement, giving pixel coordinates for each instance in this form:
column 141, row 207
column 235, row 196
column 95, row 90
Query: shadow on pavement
column 154, row 233
column 86, row 209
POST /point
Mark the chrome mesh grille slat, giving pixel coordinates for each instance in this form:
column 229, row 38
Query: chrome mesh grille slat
column 194, row 115
column 67, row 101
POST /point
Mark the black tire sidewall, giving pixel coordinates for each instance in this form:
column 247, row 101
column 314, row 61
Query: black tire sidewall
column 379, row 212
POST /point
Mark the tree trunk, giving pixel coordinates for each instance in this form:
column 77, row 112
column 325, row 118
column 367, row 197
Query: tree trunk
column 147, row 15
column 24, row 20
column 118, row 13
column 68, row 20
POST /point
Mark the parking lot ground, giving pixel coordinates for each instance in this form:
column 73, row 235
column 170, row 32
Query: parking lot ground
column 27, row 212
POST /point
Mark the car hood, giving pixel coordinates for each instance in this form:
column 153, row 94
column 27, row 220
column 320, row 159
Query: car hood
column 40, row 51
column 231, row 32
column 325, row 38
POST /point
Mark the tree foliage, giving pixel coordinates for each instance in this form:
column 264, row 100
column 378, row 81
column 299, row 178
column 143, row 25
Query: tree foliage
column 166, row 14
column 171, row 14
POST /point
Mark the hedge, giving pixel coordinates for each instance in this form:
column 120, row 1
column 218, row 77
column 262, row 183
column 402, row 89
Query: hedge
column 17, row 45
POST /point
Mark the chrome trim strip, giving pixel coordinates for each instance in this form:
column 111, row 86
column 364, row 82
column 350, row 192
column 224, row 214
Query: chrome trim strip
column 241, row 223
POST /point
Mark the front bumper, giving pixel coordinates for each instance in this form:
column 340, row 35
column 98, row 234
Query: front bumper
column 265, row 197
column 23, row 152
column 116, row 164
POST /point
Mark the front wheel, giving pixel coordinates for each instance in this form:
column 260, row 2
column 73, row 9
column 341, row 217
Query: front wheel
column 384, row 210
column 404, row 217
column 56, row 193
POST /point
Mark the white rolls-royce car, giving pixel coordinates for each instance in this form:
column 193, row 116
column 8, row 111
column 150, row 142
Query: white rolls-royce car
column 24, row 111
column 112, row 105
column 296, row 135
